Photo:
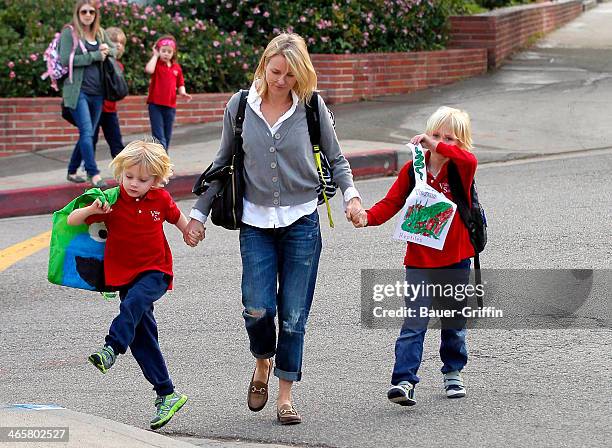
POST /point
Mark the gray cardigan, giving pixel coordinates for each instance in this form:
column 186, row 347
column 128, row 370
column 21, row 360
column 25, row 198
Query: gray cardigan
column 279, row 169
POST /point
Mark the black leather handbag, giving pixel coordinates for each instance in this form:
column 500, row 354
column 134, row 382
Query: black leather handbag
column 226, row 208
column 115, row 85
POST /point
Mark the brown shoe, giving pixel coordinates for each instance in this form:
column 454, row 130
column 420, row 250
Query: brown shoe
column 257, row 396
column 287, row 415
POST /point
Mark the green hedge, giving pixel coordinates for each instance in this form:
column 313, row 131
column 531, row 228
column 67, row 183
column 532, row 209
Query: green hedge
column 219, row 41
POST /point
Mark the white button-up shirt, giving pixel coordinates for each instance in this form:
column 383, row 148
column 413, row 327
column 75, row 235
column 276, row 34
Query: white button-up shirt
column 266, row 217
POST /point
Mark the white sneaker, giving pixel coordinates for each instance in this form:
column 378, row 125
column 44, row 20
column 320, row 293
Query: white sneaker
column 402, row 394
column 453, row 384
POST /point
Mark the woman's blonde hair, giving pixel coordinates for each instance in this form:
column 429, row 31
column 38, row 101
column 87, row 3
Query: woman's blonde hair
column 457, row 120
column 293, row 47
column 149, row 154
column 95, row 26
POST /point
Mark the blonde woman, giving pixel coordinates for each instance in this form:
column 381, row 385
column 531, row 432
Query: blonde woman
column 280, row 239
column 83, row 93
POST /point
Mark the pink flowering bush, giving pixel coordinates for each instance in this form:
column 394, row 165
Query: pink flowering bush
column 330, row 26
column 219, row 41
column 213, row 60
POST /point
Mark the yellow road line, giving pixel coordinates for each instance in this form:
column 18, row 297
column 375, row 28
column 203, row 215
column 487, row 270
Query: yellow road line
column 19, row 251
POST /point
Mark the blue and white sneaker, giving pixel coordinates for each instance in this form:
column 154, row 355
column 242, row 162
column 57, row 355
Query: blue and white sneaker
column 453, row 384
column 402, row 394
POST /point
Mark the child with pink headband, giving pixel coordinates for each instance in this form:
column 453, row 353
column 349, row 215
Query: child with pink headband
column 166, row 78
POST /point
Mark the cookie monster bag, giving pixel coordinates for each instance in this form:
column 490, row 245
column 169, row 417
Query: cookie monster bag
column 76, row 253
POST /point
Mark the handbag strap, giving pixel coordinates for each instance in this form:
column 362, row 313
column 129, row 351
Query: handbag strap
column 239, row 121
column 314, row 131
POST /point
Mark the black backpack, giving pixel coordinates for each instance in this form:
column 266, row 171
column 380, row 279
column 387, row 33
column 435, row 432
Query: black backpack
column 326, row 181
column 115, row 86
column 472, row 215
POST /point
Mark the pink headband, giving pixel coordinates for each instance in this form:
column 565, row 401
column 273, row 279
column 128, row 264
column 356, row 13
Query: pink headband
column 166, row 43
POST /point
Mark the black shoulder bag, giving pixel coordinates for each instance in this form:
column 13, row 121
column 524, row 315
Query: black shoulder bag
column 226, row 208
column 115, row 86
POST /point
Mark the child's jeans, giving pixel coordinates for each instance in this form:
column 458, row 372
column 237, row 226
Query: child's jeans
column 135, row 327
column 109, row 122
column 409, row 344
column 279, row 271
column 162, row 120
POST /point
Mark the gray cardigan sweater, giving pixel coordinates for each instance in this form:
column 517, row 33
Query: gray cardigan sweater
column 279, row 169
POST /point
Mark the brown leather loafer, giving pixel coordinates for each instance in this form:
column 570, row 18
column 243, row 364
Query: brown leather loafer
column 287, row 415
column 257, row 396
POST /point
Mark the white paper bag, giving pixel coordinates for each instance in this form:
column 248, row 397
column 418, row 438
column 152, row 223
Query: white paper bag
column 427, row 214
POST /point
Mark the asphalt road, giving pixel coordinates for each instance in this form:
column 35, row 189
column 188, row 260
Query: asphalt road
column 531, row 387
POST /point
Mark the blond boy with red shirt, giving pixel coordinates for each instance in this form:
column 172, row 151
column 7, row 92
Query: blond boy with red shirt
column 448, row 138
column 138, row 263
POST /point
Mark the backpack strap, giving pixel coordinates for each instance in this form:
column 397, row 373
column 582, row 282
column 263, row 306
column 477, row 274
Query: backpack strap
column 314, row 131
column 75, row 42
column 456, row 187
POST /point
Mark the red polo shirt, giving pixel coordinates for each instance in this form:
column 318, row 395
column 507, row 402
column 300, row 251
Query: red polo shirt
column 136, row 241
column 457, row 245
column 164, row 82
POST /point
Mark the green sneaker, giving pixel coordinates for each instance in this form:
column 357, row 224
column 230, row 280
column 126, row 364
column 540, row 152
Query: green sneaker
column 103, row 359
column 166, row 407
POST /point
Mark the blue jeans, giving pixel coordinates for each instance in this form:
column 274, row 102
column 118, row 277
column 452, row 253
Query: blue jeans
column 86, row 116
column 109, row 122
column 279, row 272
column 409, row 344
column 162, row 120
column 135, row 327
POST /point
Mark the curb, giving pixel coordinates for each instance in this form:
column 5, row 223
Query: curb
column 43, row 200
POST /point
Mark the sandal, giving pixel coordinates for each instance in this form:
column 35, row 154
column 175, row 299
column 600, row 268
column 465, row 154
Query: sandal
column 99, row 184
column 257, row 396
column 75, row 178
column 287, row 415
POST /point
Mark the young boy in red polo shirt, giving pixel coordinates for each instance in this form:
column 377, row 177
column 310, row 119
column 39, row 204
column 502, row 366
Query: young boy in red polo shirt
column 138, row 263
column 166, row 78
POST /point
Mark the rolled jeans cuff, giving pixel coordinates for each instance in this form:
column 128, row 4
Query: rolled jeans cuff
column 264, row 356
column 287, row 376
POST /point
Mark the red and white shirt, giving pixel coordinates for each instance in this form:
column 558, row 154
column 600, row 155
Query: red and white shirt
column 458, row 245
column 136, row 241
column 164, row 82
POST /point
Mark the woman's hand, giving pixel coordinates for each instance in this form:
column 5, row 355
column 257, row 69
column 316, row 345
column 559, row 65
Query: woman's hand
column 426, row 140
column 194, row 232
column 104, row 49
column 361, row 220
column 353, row 209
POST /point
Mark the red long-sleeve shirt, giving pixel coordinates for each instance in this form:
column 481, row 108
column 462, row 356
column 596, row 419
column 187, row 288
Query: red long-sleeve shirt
column 457, row 245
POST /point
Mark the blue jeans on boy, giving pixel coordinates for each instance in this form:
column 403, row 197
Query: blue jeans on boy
column 409, row 344
column 279, row 271
column 86, row 116
column 162, row 120
column 109, row 122
column 135, row 327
